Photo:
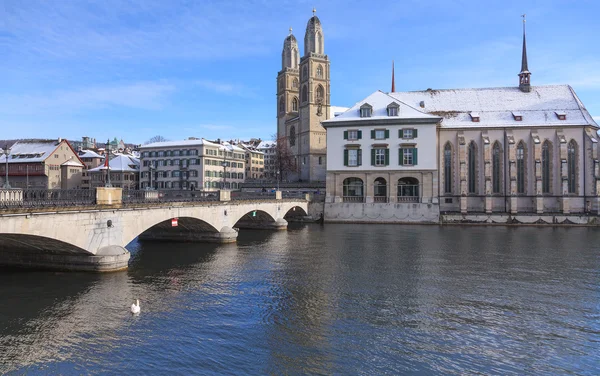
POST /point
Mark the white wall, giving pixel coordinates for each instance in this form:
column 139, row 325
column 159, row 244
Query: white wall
column 426, row 143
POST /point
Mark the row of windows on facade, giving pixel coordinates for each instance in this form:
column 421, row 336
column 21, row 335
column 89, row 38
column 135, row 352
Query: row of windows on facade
column 23, row 168
column 407, row 156
column 545, row 164
column 320, row 92
column 381, row 134
column 101, row 176
column 407, row 189
column 190, row 162
column 304, row 76
column 193, row 174
column 177, row 153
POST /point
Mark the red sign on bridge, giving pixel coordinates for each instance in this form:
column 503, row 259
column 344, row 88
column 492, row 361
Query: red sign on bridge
column 174, row 222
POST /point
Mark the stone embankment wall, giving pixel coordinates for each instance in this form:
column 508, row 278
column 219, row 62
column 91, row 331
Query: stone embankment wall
column 382, row 213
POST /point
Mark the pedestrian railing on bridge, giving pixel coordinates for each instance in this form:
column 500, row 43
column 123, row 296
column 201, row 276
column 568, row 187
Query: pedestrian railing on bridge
column 39, row 198
column 150, row 196
column 253, row 195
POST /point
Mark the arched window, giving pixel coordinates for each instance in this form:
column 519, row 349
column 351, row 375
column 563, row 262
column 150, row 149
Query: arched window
column 294, row 58
column 380, row 190
column 304, row 94
column 572, row 167
column 408, row 190
column 295, row 104
column 292, row 136
column 546, row 166
column 320, row 92
column 448, row 168
column 353, row 190
column 295, row 83
column 282, row 83
column 496, row 168
column 304, row 73
column 320, row 71
column 472, row 159
column 521, row 158
column 281, row 105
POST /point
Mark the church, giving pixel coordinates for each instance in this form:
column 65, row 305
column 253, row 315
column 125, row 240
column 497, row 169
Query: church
column 303, row 102
column 524, row 154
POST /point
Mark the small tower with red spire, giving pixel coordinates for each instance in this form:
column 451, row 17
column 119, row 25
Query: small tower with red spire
column 525, row 75
column 393, row 79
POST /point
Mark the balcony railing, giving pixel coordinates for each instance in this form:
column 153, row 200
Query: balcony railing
column 353, row 199
column 408, row 199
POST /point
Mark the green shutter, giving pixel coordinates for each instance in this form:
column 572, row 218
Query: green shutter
column 414, row 133
column 372, row 156
column 387, row 133
column 359, row 135
column 373, row 134
column 387, row 156
column 414, row 153
column 345, row 135
column 359, row 156
column 400, row 159
column 345, row 157
column 400, row 133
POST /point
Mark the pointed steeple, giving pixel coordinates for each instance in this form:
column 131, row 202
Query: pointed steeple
column 393, row 79
column 525, row 74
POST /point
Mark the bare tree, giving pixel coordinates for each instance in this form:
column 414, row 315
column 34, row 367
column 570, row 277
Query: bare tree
column 157, row 138
column 284, row 159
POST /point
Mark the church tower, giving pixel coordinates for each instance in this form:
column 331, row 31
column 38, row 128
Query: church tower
column 525, row 74
column 288, row 95
column 314, row 103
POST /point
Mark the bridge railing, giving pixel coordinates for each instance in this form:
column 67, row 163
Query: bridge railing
column 150, row 196
column 253, row 195
column 38, row 198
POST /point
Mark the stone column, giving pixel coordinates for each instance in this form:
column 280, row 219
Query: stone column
column 369, row 189
column 278, row 195
column 462, row 159
column 487, row 173
column 512, row 174
column 224, row 195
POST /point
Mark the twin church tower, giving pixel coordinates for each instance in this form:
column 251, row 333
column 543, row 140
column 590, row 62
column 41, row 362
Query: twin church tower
column 303, row 101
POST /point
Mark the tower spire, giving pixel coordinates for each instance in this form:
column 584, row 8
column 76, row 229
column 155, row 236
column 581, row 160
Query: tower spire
column 525, row 74
column 393, row 79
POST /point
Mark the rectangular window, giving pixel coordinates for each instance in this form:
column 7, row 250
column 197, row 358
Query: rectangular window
column 380, row 157
column 365, row 112
column 407, row 157
column 392, row 111
column 353, row 135
column 408, row 133
column 379, row 134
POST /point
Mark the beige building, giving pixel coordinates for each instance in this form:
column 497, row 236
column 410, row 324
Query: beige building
column 193, row 164
column 47, row 164
column 255, row 162
column 91, row 160
column 269, row 150
column 303, row 101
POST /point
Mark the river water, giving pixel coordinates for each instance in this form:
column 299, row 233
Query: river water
column 333, row 299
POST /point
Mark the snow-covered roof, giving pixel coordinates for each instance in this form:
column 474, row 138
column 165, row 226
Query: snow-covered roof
column 337, row 110
column 170, row 144
column 266, row 145
column 230, row 147
column 379, row 101
column 30, row 151
column 72, row 163
column 89, row 154
column 496, row 106
column 120, row 163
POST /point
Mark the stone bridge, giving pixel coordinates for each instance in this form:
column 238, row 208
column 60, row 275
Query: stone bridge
column 94, row 238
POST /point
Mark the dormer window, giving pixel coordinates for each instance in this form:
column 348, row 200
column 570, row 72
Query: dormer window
column 392, row 109
column 517, row 116
column 366, row 110
column 474, row 117
column 561, row 115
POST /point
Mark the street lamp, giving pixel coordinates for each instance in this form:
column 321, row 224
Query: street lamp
column 107, row 164
column 277, row 179
column 6, row 152
column 224, row 164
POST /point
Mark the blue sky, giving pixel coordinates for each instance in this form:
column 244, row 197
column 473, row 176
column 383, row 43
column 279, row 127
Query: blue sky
column 179, row 68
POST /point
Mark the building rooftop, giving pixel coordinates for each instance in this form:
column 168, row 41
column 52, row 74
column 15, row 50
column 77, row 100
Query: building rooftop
column 501, row 106
column 121, row 163
column 30, row 151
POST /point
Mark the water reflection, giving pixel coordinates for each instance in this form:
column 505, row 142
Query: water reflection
column 334, row 299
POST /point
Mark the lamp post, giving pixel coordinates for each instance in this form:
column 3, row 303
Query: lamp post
column 277, row 179
column 224, row 164
column 6, row 152
column 107, row 164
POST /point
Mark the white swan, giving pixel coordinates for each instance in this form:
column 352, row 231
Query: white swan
column 135, row 307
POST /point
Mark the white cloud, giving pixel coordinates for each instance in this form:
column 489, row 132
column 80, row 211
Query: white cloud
column 227, row 88
column 141, row 95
